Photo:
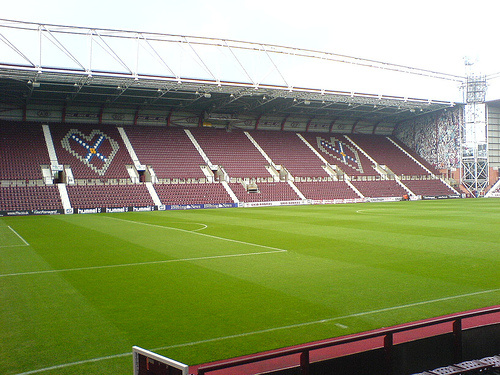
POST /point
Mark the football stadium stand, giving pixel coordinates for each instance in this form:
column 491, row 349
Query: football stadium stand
column 82, row 166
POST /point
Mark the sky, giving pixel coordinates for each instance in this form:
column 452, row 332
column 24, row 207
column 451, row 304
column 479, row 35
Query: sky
column 434, row 35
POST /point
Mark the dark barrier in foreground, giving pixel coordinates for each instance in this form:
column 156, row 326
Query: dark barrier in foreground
column 385, row 361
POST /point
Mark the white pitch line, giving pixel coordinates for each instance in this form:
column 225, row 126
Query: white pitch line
column 202, row 226
column 298, row 325
column 140, row 263
column 12, row 246
column 18, row 235
column 273, row 251
column 199, row 234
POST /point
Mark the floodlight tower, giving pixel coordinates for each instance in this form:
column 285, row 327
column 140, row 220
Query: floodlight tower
column 474, row 146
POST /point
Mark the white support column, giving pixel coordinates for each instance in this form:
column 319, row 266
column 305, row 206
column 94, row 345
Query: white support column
column 153, row 193
column 296, row 189
column 63, row 192
column 198, row 147
column 230, row 192
column 128, row 145
column 50, row 145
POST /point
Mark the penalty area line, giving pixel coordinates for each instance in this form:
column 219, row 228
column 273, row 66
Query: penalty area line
column 142, row 263
column 245, row 334
column 197, row 233
column 18, row 235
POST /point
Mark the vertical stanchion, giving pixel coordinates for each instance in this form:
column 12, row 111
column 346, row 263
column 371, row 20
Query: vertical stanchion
column 457, row 339
column 388, row 343
column 304, row 363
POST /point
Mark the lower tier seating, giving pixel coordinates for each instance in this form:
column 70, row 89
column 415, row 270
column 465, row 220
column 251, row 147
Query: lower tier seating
column 30, row 197
column 329, row 190
column 193, row 193
column 90, row 196
column 377, row 189
column 266, row 192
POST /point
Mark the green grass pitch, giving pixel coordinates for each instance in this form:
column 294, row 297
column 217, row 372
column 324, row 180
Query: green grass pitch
column 78, row 291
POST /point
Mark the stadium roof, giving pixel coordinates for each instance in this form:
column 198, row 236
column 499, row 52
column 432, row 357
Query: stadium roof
column 60, row 78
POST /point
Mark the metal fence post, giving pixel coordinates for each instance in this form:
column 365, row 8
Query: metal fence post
column 304, row 362
column 388, row 344
column 457, row 339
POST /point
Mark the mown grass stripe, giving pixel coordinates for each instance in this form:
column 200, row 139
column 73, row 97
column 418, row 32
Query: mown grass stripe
column 298, row 325
column 140, row 263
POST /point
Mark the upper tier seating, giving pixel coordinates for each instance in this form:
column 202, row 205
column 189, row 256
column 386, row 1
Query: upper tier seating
column 341, row 152
column 168, row 150
column 91, row 196
column 233, row 151
column 384, row 152
column 288, row 150
column 30, row 197
column 420, row 159
column 22, row 151
column 92, row 151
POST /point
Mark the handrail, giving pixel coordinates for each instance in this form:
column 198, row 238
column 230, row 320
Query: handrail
column 387, row 333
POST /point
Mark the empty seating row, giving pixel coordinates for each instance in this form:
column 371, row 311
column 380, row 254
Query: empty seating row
column 197, row 194
column 232, row 150
column 288, row 150
column 326, row 190
column 266, row 192
column 384, row 152
column 168, row 150
column 377, row 189
column 29, row 197
column 428, row 187
column 109, row 196
column 22, row 151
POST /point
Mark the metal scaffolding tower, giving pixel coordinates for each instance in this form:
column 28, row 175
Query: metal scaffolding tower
column 474, row 144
